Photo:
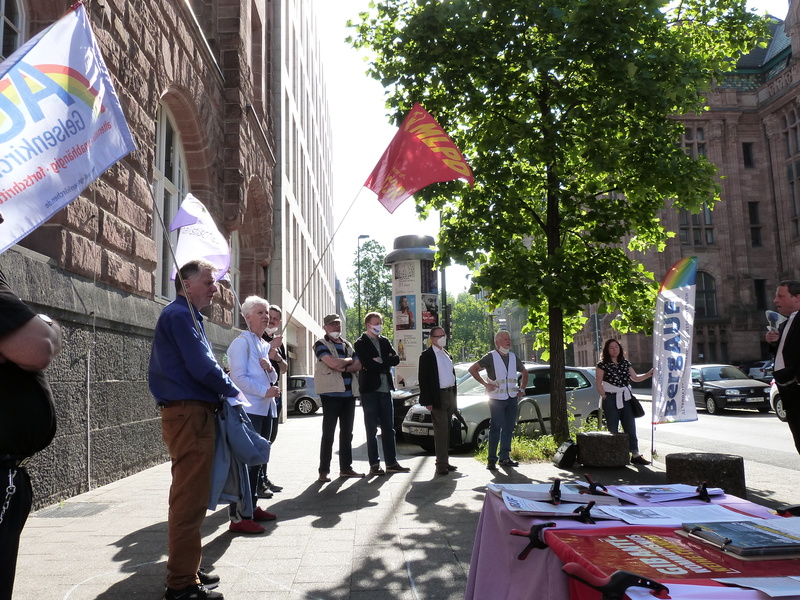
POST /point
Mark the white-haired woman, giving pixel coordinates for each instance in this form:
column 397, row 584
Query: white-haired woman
column 251, row 371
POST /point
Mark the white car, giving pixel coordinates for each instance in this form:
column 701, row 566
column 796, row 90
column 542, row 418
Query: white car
column 776, row 402
column 533, row 413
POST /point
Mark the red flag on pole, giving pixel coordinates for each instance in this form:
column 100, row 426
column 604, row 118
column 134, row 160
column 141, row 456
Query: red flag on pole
column 420, row 154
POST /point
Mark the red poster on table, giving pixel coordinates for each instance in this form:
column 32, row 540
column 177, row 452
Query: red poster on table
column 658, row 553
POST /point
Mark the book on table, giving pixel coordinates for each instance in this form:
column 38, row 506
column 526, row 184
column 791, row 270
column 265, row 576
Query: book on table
column 760, row 537
column 569, row 492
column 535, row 508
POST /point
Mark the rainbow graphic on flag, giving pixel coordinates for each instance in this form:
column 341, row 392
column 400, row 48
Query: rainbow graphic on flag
column 681, row 274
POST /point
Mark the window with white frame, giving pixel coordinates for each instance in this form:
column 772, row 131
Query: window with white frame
column 11, row 32
column 170, row 186
column 234, row 273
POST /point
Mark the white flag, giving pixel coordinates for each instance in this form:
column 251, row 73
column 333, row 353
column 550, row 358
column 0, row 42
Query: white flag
column 199, row 237
column 61, row 125
column 673, row 398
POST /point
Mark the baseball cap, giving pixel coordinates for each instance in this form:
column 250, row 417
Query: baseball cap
column 331, row 319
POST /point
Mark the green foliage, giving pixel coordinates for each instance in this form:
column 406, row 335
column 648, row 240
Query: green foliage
column 564, row 111
column 525, row 449
column 470, row 329
column 376, row 289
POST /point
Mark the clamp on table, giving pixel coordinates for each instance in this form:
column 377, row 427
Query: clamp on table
column 585, row 513
column 614, row 586
column 594, row 488
column 534, row 538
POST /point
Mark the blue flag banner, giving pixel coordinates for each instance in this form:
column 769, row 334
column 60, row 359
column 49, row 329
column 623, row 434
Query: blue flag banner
column 673, row 398
column 61, row 125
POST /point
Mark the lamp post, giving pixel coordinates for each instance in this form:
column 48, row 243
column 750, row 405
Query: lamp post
column 358, row 274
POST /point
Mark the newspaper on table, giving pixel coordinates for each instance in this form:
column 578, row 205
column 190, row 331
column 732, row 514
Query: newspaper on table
column 672, row 515
column 570, row 492
column 665, row 493
column 534, row 508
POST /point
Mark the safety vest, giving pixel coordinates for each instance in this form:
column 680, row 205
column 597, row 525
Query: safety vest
column 506, row 379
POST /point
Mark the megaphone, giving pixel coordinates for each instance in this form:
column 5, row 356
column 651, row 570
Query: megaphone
column 774, row 319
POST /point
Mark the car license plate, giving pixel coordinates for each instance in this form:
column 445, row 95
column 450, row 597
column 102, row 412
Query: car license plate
column 755, row 399
column 419, row 430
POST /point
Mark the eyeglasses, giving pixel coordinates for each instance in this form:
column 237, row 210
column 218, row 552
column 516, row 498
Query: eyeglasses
column 436, row 337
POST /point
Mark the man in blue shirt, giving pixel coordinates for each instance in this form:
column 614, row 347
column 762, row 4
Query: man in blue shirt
column 188, row 384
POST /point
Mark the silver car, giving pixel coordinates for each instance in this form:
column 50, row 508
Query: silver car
column 533, row 413
column 301, row 396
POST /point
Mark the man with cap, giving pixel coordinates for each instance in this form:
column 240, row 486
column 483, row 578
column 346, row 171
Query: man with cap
column 337, row 386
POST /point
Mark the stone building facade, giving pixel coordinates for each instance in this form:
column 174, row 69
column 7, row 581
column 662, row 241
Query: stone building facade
column 195, row 82
column 750, row 241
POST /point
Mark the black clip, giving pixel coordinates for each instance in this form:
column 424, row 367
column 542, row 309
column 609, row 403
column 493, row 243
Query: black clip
column 614, row 586
column 585, row 513
column 702, row 492
column 534, row 539
column 555, row 491
column 594, row 487
column 789, row 510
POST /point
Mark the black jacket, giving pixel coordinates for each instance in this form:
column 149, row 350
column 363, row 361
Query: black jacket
column 791, row 352
column 428, row 375
column 369, row 377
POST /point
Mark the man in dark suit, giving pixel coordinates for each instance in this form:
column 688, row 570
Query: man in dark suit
column 785, row 344
column 375, row 382
column 437, row 392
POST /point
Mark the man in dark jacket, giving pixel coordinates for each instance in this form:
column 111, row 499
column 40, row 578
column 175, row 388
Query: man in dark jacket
column 785, row 345
column 375, row 382
column 437, row 393
column 28, row 343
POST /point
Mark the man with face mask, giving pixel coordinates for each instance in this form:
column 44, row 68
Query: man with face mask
column 337, row 386
column 277, row 357
column 375, row 384
column 437, row 393
column 502, row 367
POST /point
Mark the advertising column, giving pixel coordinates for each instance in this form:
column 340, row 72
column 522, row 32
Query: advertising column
column 415, row 301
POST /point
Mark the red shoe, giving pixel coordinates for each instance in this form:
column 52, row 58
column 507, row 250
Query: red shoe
column 246, row 526
column 259, row 514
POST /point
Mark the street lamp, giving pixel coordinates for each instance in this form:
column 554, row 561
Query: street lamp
column 358, row 274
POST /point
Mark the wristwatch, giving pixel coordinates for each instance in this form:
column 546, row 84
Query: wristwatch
column 46, row 319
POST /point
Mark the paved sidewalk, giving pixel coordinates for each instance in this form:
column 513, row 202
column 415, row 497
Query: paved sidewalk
column 403, row 536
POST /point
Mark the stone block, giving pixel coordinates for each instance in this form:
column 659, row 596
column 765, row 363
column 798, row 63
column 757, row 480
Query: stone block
column 725, row 471
column 603, row 449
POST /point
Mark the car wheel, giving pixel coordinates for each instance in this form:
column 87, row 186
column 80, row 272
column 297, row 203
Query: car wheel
column 779, row 410
column 305, row 406
column 711, row 405
column 481, row 435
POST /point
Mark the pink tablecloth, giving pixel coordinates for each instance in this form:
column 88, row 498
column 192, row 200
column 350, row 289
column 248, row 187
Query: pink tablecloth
column 496, row 573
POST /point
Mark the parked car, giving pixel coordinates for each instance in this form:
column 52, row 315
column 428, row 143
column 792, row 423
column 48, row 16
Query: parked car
column 301, row 396
column 717, row 387
column 405, row 398
column 775, row 401
column 761, row 370
column 533, row 413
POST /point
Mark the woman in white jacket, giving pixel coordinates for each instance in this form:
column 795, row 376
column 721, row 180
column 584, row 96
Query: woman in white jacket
column 251, row 371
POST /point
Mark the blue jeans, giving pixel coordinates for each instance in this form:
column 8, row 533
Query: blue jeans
column 501, row 426
column 615, row 416
column 341, row 410
column 379, row 410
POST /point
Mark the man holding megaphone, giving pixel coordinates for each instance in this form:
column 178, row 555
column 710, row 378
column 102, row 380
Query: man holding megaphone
column 784, row 341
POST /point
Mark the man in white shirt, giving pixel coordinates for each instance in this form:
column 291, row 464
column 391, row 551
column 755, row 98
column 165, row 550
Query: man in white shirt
column 437, row 392
column 785, row 344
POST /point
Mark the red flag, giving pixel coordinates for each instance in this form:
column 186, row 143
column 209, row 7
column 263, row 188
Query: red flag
column 420, row 154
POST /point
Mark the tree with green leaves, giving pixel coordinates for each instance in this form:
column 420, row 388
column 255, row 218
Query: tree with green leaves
column 564, row 110
column 376, row 289
column 471, row 328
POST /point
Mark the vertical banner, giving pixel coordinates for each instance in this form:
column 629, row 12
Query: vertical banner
column 61, row 125
column 673, row 399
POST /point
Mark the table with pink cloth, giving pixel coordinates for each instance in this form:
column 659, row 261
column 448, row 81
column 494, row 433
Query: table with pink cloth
column 496, row 573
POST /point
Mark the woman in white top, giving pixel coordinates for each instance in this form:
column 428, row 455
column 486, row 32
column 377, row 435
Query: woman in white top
column 251, row 371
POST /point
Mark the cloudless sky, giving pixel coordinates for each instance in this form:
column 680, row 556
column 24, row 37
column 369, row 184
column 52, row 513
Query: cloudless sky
column 361, row 132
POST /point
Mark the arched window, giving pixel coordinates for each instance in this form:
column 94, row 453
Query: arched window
column 170, row 186
column 11, row 33
column 705, row 296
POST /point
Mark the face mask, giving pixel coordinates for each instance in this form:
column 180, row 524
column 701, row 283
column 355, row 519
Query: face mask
column 334, row 335
column 503, row 350
column 442, row 341
column 271, row 330
column 376, row 329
